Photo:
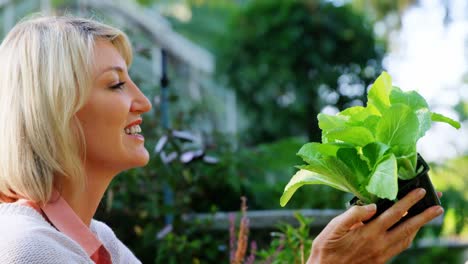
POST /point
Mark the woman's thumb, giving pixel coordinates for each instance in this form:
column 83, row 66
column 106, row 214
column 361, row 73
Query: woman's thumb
column 353, row 216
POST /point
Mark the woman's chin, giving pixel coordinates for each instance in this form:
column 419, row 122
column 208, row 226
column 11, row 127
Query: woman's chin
column 136, row 159
column 142, row 160
column 135, row 165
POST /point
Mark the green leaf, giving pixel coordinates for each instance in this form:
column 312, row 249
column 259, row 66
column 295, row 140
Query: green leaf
column 407, row 166
column 399, row 126
column 358, row 167
column 336, row 171
column 379, row 93
column 321, row 159
column 424, row 119
column 357, row 136
column 384, row 179
column 303, row 177
column 441, row 118
column 329, row 167
column 314, row 151
column 327, row 122
column 417, row 104
column 372, row 153
column 412, row 99
column 371, row 123
column 358, row 114
column 367, row 117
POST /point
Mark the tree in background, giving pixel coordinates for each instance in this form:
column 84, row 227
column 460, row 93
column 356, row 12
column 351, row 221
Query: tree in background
column 289, row 59
column 379, row 9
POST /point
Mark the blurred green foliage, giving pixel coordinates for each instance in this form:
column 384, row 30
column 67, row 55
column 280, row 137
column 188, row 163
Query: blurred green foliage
column 379, row 9
column 289, row 59
column 462, row 109
column 435, row 254
column 291, row 244
column 209, row 22
column 451, row 178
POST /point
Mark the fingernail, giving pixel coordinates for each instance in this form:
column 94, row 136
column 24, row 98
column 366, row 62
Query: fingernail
column 439, row 210
column 371, row 207
column 421, row 192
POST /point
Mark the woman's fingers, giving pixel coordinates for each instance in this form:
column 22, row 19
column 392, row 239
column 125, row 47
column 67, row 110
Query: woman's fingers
column 399, row 209
column 401, row 244
column 346, row 240
column 403, row 235
column 355, row 215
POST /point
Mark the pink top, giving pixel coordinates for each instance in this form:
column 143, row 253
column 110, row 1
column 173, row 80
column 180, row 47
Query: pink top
column 64, row 219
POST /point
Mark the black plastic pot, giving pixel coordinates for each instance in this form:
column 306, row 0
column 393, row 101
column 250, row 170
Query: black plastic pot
column 421, row 180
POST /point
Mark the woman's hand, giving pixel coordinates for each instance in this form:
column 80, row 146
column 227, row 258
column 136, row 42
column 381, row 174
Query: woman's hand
column 347, row 240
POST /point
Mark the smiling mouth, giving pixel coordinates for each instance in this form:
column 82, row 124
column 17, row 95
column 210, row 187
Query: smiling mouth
column 133, row 130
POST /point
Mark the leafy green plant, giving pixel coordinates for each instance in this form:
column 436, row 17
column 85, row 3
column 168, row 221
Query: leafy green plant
column 366, row 149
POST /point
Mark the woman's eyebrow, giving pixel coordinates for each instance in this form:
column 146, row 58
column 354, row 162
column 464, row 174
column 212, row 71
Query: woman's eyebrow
column 112, row 68
column 117, row 69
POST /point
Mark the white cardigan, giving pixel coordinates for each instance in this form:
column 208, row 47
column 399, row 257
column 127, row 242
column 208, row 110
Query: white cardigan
column 27, row 238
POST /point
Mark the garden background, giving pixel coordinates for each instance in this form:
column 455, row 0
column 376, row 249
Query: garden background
column 236, row 86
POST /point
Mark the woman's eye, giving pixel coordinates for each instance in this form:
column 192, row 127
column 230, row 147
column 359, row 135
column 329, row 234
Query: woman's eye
column 120, row 85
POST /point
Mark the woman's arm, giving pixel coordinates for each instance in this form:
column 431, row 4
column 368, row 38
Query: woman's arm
column 347, row 240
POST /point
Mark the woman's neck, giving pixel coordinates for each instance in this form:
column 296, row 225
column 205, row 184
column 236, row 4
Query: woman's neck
column 86, row 201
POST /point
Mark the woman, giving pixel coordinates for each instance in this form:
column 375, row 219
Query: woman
column 73, row 115
column 70, row 122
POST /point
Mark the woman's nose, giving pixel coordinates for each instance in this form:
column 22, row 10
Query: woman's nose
column 140, row 102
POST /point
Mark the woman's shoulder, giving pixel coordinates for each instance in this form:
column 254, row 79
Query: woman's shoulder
column 17, row 219
column 28, row 238
column 120, row 253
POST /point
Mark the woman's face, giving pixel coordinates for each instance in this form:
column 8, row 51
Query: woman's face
column 111, row 116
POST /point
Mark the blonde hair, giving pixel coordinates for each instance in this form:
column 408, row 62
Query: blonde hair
column 45, row 78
